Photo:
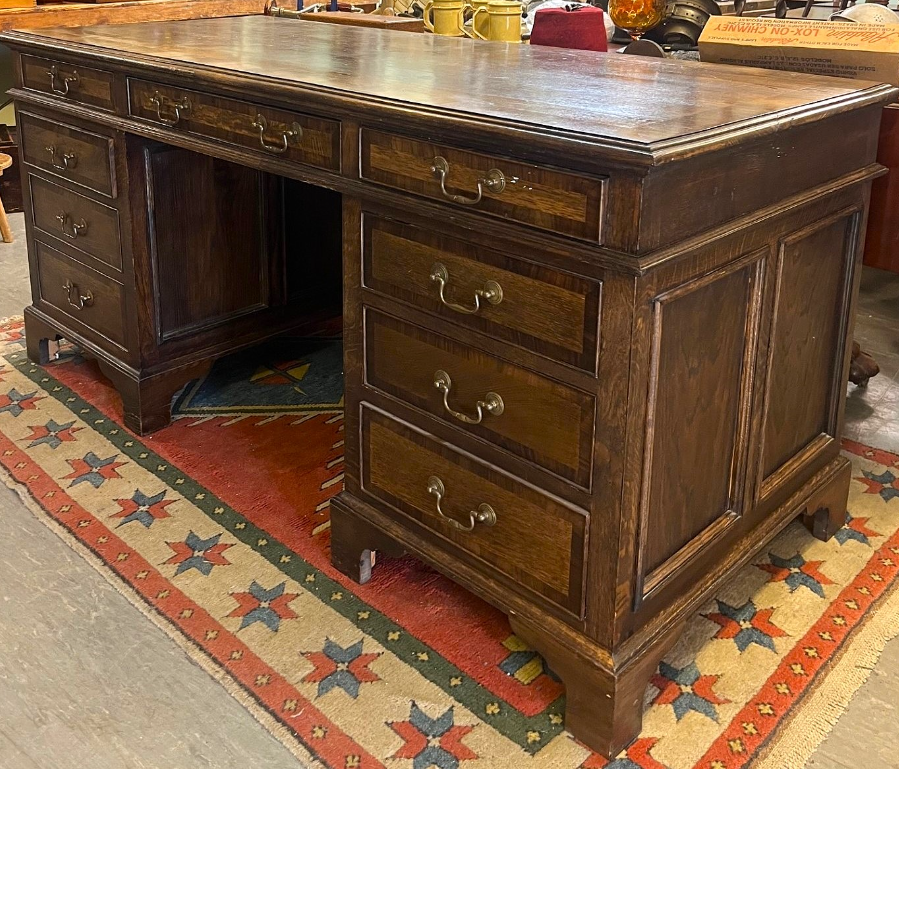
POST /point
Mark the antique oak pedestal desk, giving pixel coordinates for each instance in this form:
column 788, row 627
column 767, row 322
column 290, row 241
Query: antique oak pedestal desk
column 596, row 308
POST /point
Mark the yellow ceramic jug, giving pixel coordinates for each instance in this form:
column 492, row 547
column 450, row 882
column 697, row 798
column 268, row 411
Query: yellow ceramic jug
column 499, row 20
column 446, row 16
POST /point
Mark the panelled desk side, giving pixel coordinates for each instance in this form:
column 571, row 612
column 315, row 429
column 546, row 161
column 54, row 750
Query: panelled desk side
column 607, row 335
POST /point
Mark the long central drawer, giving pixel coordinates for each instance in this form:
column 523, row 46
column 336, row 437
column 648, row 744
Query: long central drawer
column 541, row 420
column 278, row 132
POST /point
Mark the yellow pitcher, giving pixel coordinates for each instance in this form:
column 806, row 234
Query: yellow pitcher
column 446, row 16
column 499, row 20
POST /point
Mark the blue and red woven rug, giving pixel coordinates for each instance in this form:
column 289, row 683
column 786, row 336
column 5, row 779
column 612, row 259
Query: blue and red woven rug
column 218, row 528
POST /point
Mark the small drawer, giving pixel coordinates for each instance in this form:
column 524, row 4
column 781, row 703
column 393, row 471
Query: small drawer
column 543, row 198
column 82, row 223
column 538, row 308
column 519, row 532
column 94, row 302
column 68, row 81
column 72, row 153
column 277, row 132
column 543, row 421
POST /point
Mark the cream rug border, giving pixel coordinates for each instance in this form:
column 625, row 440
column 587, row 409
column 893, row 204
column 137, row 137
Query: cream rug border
column 193, row 652
column 815, row 716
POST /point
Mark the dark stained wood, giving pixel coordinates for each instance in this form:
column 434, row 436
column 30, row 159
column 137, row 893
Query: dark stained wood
column 536, row 542
column 73, row 154
column 813, row 269
column 203, row 211
column 544, row 421
column 543, row 309
column 85, row 225
column 317, row 142
column 882, row 240
column 92, row 303
column 71, row 83
column 672, row 377
column 702, row 357
column 546, row 199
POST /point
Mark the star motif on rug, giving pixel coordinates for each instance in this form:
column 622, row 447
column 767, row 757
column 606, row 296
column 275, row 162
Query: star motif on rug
column 886, row 483
column 267, row 606
column 52, row 434
column 686, row 690
column 745, row 625
column 198, row 554
column 16, row 403
column 637, row 755
column 796, row 572
column 432, row 742
column 522, row 663
column 343, row 667
column 283, row 373
column 142, row 508
column 93, row 470
column 854, row 529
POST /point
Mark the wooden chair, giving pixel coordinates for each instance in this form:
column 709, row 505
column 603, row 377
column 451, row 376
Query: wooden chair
column 5, row 230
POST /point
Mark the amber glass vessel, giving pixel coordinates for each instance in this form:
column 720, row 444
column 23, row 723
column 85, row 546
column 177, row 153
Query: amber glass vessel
column 637, row 17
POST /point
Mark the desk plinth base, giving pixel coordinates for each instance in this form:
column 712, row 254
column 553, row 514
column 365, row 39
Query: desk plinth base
column 604, row 692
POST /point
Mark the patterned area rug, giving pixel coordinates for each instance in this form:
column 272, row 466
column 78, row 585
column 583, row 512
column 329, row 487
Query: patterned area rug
column 217, row 527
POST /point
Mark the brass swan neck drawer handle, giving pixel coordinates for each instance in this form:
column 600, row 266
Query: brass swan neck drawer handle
column 76, row 298
column 180, row 109
column 63, row 162
column 484, row 514
column 492, row 402
column 58, row 78
column 491, row 291
column 295, row 132
column 494, row 181
column 72, row 230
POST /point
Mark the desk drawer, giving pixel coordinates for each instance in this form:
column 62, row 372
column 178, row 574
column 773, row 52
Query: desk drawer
column 522, row 534
column 300, row 138
column 543, row 198
column 68, row 81
column 69, row 152
column 82, row 223
column 543, row 421
column 541, row 309
column 95, row 302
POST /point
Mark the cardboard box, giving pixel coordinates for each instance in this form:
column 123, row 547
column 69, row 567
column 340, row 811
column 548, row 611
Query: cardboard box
column 844, row 49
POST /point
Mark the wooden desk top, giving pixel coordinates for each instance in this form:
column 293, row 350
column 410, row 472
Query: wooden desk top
column 643, row 108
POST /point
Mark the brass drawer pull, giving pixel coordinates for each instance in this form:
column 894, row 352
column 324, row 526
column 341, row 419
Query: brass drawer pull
column 295, row 132
column 492, row 402
column 491, row 291
column 72, row 230
column 483, row 515
column 76, row 298
column 67, row 81
column 178, row 107
column 69, row 160
column 494, row 181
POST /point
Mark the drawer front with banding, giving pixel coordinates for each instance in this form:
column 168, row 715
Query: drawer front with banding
column 520, row 533
column 551, row 312
column 545, row 422
column 293, row 136
column 544, row 198
column 68, row 152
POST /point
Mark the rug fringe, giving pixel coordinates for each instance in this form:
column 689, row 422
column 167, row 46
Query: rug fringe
column 196, row 655
column 818, row 713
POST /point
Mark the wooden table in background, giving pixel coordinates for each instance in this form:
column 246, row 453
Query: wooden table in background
column 135, row 11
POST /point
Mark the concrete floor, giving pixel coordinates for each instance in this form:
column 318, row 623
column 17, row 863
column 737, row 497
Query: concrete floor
column 87, row 681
